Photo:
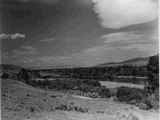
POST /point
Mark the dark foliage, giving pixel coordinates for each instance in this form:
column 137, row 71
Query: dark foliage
column 71, row 107
column 153, row 74
column 5, row 75
column 130, row 95
column 138, row 97
column 91, row 88
column 104, row 92
column 23, row 75
column 102, row 73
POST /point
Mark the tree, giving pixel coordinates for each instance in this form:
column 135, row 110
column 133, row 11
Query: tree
column 5, row 75
column 23, row 75
column 153, row 74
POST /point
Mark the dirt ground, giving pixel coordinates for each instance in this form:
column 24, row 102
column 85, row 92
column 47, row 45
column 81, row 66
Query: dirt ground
column 23, row 102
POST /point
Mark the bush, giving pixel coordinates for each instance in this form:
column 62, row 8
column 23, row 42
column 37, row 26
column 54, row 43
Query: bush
column 91, row 88
column 32, row 109
column 93, row 83
column 138, row 97
column 104, row 92
column 71, row 107
column 85, row 88
column 153, row 74
column 130, row 95
column 5, row 75
column 83, row 85
column 152, row 100
column 23, row 75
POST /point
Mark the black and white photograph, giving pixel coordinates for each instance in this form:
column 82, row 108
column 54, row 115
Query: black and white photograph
column 79, row 59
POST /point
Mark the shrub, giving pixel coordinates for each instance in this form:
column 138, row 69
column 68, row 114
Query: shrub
column 152, row 100
column 153, row 74
column 93, row 94
column 138, row 97
column 113, row 92
column 23, row 75
column 71, row 107
column 130, row 95
column 83, row 85
column 94, row 83
column 5, row 75
column 32, row 109
column 85, row 88
column 104, row 92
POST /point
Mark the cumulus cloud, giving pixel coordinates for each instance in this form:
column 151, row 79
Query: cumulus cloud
column 12, row 36
column 121, row 13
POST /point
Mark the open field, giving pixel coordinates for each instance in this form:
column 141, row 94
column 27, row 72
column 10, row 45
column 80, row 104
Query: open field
column 23, row 102
column 110, row 84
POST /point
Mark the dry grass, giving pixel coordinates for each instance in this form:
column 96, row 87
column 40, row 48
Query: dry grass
column 23, row 102
column 109, row 84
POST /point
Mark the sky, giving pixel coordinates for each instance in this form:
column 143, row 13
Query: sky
column 40, row 33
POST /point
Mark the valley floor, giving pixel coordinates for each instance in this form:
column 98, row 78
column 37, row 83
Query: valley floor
column 23, row 102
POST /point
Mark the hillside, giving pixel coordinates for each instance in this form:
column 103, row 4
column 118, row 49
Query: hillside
column 23, row 102
column 141, row 61
column 10, row 68
column 131, row 62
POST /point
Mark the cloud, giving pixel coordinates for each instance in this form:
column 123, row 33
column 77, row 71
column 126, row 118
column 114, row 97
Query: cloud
column 12, row 36
column 47, row 1
column 36, row 1
column 130, row 37
column 119, row 46
column 17, row 35
column 121, row 13
column 120, row 36
column 47, row 40
column 52, row 59
column 28, row 48
column 57, row 61
column 116, row 47
column 149, row 48
column 128, row 40
column 24, row 51
column 82, row 2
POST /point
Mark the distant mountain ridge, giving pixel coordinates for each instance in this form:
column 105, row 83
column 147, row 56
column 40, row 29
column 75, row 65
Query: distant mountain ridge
column 9, row 68
column 54, row 67
column 141, row 61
